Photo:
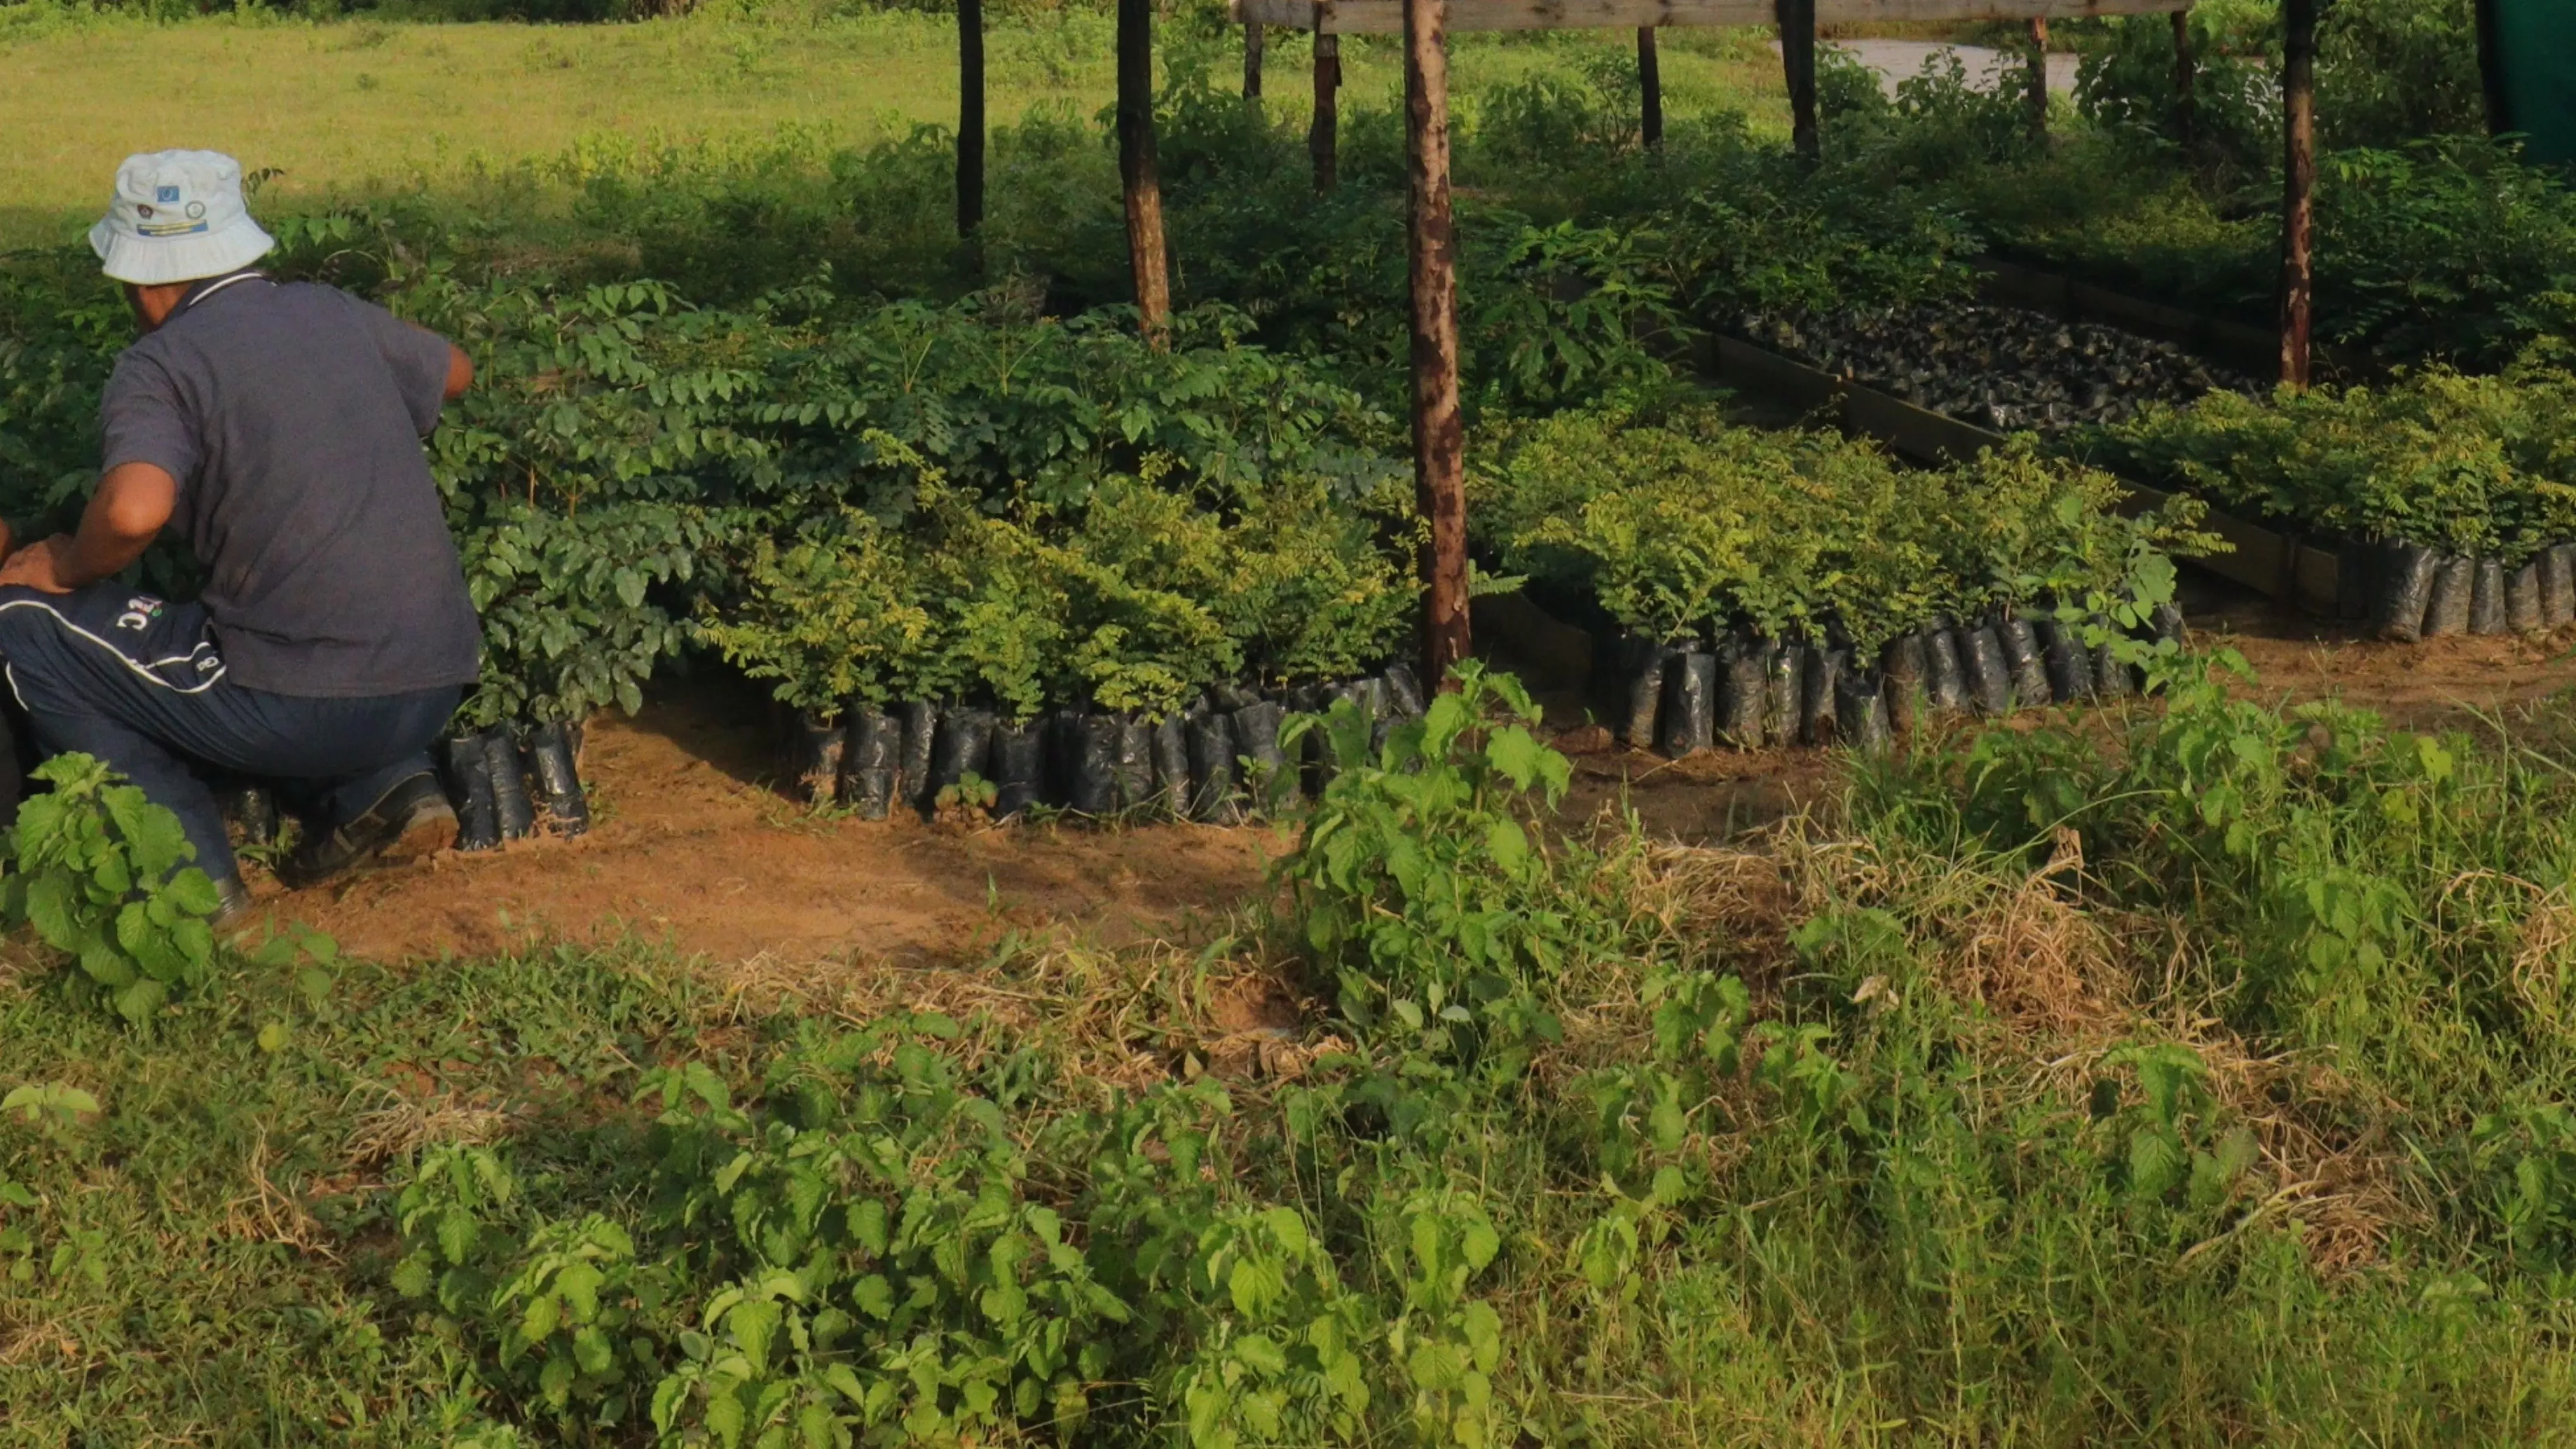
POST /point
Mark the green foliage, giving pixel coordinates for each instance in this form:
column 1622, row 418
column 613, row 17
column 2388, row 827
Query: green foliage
column 1137, row 598
column 1423, row 879
column 102, row 875
column 2473, row 465
column 1684, row 527
column 2332, row 856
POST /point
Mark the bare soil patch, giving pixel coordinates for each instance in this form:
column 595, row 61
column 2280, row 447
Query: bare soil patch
column 696, row 847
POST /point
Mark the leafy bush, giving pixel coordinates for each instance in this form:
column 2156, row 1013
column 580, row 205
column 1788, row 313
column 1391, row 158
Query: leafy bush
column 1136, row 599
column 2471, row 465
column 102, row 875
column 1684, row 527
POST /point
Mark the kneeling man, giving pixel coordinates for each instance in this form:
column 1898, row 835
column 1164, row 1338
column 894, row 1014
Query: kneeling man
column 276, row 431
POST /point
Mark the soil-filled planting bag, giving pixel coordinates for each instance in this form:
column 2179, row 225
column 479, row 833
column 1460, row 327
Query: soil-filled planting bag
column 1404, row 697
column 961, row 746
column 2061, row 654
column 1945, row 675
column 2558, row 586
column 2486, row 602
column 253, row 811
column 1314, row 761
column 2356, row 579
column 1256, row 739
column 2111, row 678
column 1094, row 777
column 1171, row 767
column 2166, row 624
column 1860, row 706
column 2522, row 603
column 2405, row 594
column 1213, row 795
column 1019, row 768
column 511, row 809
column 913, row 781
column 2455, row 581
column 561, row 805
column 1743, row 691
column 1901, row 667
column 1645, row 682
column 1818, row 693
column 1133, row 764
column 869, row 757
column 1981, row 657
column 1787, row 695
column 814, row 756
column 2020, row 643
column 1691, row 687
column 469, row 788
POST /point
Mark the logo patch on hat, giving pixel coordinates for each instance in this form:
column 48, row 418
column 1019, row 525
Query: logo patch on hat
column 166, row 195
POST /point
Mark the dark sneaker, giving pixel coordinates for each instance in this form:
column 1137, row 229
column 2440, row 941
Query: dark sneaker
column 409, row 822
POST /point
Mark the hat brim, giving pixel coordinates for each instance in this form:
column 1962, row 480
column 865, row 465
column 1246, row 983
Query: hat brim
column 158, row 261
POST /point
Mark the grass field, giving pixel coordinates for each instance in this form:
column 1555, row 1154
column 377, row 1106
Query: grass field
column 366, row 105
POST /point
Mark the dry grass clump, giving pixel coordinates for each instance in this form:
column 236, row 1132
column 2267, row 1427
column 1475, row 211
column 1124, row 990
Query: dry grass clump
column 1122, row 1018
column 2064, row 983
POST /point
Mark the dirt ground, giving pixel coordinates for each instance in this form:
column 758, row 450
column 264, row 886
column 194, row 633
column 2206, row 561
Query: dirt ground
column 693, row 845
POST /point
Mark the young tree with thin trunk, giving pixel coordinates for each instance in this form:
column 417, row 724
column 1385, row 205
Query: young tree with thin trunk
column 1439, row 430
column 1139, row 174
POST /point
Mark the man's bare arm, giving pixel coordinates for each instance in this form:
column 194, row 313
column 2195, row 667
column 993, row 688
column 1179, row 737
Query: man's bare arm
column 134, row 501
column 460, row 372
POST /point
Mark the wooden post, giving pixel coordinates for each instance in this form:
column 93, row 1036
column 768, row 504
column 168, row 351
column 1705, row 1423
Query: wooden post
column 1252, row 42
column 1798, row 60
column 970, row 116
column 2038, row 100
column 1323, row 137
column 1439, row 432
column 1139, row 174
column 2491, row 71
column 1650, row 90
column 2299, row 179
column 2186, row 82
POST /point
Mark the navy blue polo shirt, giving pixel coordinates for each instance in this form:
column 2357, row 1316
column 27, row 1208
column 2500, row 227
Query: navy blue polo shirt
column 292, row 417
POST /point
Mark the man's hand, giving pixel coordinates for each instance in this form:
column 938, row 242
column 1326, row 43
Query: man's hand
column 39, row 565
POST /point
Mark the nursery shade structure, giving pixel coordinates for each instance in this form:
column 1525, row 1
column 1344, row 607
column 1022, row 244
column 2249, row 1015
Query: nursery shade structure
column 1431, row 248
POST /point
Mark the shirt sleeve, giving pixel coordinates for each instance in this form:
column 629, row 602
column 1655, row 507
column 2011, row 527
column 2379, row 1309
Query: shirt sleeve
column 144, row 419
column 418, row 358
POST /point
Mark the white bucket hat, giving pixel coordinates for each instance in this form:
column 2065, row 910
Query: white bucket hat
column 178, row 216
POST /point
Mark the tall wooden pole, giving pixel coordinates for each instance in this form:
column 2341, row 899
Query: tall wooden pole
column 1323, row 136
column 970, row 116
column 1252, row 45
column 1439, row 432
column 1798, row 61
column 1650, row 90
column 2038, row 99
column 2491, row 71
column 2299, row 179
column 2186, row 82
column 1139, row 174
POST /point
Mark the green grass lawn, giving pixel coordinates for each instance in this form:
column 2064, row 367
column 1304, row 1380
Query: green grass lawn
column 365, row 105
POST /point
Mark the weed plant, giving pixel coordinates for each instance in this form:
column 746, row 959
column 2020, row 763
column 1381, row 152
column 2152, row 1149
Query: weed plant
column 2185, row 1076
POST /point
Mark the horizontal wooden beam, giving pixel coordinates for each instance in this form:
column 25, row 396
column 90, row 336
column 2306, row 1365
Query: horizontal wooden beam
column 1386, row 17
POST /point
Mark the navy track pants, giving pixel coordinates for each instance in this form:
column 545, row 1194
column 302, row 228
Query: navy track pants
column 137, row 682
